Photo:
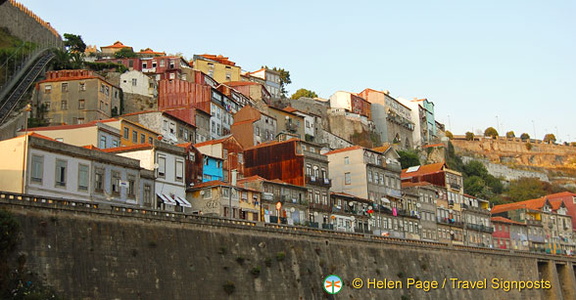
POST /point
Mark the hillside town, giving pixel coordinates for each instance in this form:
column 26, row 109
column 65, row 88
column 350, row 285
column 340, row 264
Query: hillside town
column 205, row 137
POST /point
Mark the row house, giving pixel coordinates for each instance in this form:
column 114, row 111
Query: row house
column 509, row 234
column 168, row 164
column 193, row 166
column 259, row 95
column 157, row 67
column 427, row 194
column 42, row 166
column 295, row 162
column 221, row 68
column 131, row 132
column 137, row 83
column 373, row 174
column 289, row 123
column 252, row 127
column 549, row 215
column 267, row 77
column 235, row 95
column 310, row 126
column 351, row 213
column 392, row 119
column 95, row 133
column 229, row 151
column 168, row 124
column 476, row 216
column 219, row 199
column 76, row 97
column 282, row 203
column 450, row 198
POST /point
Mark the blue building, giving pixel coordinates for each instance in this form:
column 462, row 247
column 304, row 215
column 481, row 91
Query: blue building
column 212, row 168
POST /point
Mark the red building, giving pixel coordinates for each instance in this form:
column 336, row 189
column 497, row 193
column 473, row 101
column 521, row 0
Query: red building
column 276, row 160
column 502, row 229
column 569, row 200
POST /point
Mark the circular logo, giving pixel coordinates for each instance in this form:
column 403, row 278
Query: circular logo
column 333, row 284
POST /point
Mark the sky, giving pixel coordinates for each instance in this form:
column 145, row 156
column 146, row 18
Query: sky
column 506, row 64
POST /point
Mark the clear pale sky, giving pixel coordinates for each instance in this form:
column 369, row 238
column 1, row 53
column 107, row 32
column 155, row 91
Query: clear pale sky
column 507, row 64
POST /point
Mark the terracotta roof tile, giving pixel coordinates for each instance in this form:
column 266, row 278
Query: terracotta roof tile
column 351, row 148
column 505, row 220
column 117, row 44
column 424, row 170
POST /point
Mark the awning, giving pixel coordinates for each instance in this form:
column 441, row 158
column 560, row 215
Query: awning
column 166, row 199
column 182, row 202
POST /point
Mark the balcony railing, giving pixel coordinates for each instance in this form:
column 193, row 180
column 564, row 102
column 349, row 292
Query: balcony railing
column 534, row 222
column 318, row 181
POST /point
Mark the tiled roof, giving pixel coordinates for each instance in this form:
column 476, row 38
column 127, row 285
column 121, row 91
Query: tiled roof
column 117, row 44
column 240, row 83
column 505, row 220
column 561, row 195
column 150, row 51
column 210, row 183
column 344, row 150
column 35, row 135
column 213, row 142
column 219, row 58
column 534, row 204
column 382, row 149
column 71, row 78
column 424, row 170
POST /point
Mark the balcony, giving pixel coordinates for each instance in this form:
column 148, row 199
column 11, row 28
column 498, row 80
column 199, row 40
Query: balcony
column 325, row 182
column 455, row 186
column 274, row 220
column 534, row 222
column 394, row 193
column 328, row 226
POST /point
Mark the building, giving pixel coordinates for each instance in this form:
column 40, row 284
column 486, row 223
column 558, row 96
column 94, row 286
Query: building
column 282, row 203
column 392, row 119
column 42, row 166
column 76, row 97
column 311, row 126
column 252, row 127
column 289, row 123
column 167, row 162
column 351, row 103
column 132, row 133
column 227, row 149
column 215, row 198
column 427, row 194
column 171, row 128
column 94, row 133
column 350, row 213
column 112, row 49
column 253, row 90
column 477, row 227
column 374, row 174
column 267, row 77
column 221, row 68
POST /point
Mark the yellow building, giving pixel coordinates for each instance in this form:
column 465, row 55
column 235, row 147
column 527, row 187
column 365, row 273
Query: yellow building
column 217, row 66
column 132, row 133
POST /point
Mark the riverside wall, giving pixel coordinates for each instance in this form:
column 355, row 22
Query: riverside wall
column 95, row 251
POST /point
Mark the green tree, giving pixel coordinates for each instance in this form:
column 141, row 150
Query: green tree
column 125, row 53
column 469, row 136
column 284, row 79
column 408, row 158
column 510, row 134
column 474, row 186
column 304, row 93
column 491, row 132
column 475, row 168
column 449, row 134
column 550, row 138
column 524, row 137
column 74, row 43
column 527, row 188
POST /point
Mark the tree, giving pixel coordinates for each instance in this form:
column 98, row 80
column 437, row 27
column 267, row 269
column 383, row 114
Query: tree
column 304, row 93
column 284, row 79
column 510, row 134
column 491, row 132
column 74, row 43
column 408, row 158
column 474, row 186
column 527, row 188
column 469, row 136
column 550, row 138
column 449, row 134
column 125, row 53
column 524, row 137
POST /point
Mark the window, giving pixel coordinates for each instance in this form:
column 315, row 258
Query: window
column 115, row 188
column 131, row 186
column 47, row 106
column 347, row 160
column 47, row 89
column 161, row 166
column 309, row 170
column 134, row 136
column 126, row 133
column 64, row 86
column 82, row 86
column 179, row 170
column 144, row 65
column 81, row 104
column 369, row 176
column 347, row 178
column 147, row 195
column 64, row 105
column 102, row 144
column 61, row 172
column 142, row 138
column 37, row 168
column 83, row 177
column 99, row 180
column 115, row 143
column 207, row 193
column 150, row 140
column 134, row 82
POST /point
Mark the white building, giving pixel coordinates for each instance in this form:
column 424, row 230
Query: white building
column 167, row 162
column 94, row 133
column 42, row 166
column 136, row 82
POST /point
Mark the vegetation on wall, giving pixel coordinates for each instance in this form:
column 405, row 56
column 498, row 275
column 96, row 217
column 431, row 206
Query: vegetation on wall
column 409, row 158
